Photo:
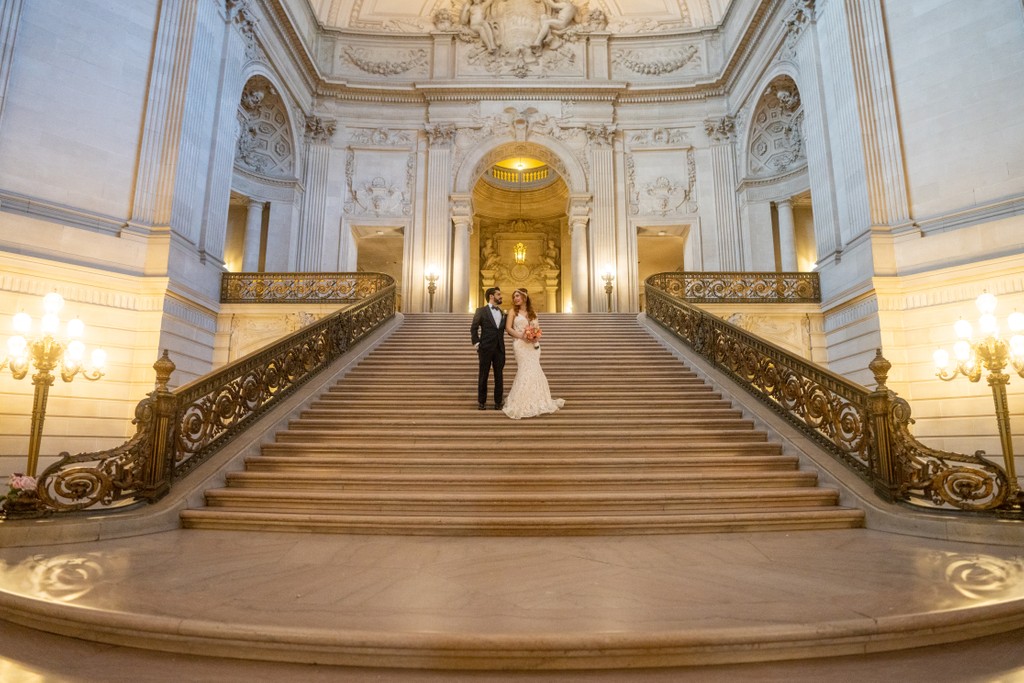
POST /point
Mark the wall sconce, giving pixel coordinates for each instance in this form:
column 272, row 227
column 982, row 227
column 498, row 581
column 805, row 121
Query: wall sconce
column 608, row 277
column 991, row 353
column 431, row 286
column 519, row 253
column 47, row 353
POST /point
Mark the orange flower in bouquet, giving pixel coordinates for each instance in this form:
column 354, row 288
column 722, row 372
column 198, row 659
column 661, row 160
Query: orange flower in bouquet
column 533, row 334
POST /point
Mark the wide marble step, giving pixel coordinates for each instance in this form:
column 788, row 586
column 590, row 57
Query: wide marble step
column 588, row 502
column 554, row 449
column 514, row 525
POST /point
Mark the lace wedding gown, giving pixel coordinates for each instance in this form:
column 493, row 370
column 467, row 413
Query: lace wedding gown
column 530, row 395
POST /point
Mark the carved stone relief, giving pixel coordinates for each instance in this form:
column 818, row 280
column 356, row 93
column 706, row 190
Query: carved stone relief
column 521, row 37
column 379, row 183
column 659, row 137
column 264, row 143
column 776, row 136
column 660, row 191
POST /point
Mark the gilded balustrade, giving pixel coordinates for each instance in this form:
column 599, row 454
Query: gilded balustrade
column 740, row 287
column 291, row 288
column 866, row 430
column 177, row 430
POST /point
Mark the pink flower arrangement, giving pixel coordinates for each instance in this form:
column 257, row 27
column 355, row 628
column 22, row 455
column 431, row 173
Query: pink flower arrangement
column 20, row 484
column 533, row 334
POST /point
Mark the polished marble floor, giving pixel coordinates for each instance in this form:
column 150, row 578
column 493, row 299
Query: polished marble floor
column 518, row 587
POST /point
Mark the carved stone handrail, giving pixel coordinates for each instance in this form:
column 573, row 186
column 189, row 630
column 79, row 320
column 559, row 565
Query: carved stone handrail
column 178, row 430
column 291, row 288
column 747, row 288
column 866, row 430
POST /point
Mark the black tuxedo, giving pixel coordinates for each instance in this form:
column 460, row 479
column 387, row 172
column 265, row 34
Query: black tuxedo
column 491, row 351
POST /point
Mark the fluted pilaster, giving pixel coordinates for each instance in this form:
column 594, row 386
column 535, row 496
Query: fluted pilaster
column 722, row 135
column 165, row 111
column 602, row 225
column 438, row 241
column 827, row 237
column 319, row 132
column 10, row 13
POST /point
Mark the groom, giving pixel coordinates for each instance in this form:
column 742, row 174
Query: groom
column 488, row 334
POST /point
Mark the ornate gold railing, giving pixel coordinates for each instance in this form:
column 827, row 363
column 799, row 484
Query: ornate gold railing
column 740, row 287
column 866, row 430
column 178, row 430
column 291, row 288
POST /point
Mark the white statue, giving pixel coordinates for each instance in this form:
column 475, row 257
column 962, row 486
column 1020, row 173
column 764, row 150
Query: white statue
column 563, row 14
column 475, row 14
column 551, row 256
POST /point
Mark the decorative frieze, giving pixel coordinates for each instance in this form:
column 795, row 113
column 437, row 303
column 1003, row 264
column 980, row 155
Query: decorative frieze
column 658, row 62
column 440, row 134
column 381, row 137
column 660, row 137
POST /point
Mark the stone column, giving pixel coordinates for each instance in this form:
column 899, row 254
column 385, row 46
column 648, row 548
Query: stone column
column 462, row 218
column 603, row 251
column 787, row 235
column 551, row 290
column 722, row 135
column 253, row 229
column 579, row 217
column 319, row 132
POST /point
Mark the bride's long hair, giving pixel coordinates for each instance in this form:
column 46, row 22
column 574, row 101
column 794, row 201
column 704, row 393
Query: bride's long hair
column 530, row 314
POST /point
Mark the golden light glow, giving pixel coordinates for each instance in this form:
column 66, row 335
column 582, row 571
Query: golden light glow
column 520, row 163
column 519, row 253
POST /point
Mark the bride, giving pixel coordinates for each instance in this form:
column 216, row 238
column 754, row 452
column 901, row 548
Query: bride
column 530, row 395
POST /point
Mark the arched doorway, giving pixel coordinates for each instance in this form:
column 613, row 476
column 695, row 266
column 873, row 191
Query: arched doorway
column 520, row 236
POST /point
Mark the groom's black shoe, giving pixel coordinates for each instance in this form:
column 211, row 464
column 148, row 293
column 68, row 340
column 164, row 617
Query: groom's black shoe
column 481, row 406
column 497, row 406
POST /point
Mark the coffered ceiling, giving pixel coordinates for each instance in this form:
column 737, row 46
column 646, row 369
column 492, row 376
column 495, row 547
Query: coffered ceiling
column 624, row 16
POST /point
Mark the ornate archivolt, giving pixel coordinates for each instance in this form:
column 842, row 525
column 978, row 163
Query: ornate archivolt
column 526, row 132
column 776, row 135
column 264, row 144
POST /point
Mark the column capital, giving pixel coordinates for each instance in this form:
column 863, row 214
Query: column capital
column 440, row 134
column 721, row 129
column 320, row 129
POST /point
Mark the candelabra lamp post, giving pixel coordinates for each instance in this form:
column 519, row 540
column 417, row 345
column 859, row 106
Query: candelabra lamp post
column 990, row 353
column 608, row 278
column 431, row 288
column 47, row 353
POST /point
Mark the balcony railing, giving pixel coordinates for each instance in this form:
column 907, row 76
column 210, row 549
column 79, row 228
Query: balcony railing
column 740, row 287
column 177, row 430
column 866, row 430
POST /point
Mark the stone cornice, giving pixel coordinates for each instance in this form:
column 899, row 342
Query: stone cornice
column 456, row 91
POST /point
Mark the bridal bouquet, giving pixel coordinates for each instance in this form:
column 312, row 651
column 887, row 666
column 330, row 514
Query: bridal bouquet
column 533, row 334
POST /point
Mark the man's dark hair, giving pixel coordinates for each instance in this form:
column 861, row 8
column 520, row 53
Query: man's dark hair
column 490, row 291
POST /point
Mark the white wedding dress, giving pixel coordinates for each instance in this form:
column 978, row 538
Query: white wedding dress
column 530, row 395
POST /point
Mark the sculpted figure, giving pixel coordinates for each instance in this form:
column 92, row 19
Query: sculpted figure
column 551, row 256
column 490, row 261
column 562, row 15
column 474, row 13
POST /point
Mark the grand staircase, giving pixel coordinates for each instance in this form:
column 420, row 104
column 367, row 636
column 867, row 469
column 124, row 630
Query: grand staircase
column 643, row 446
